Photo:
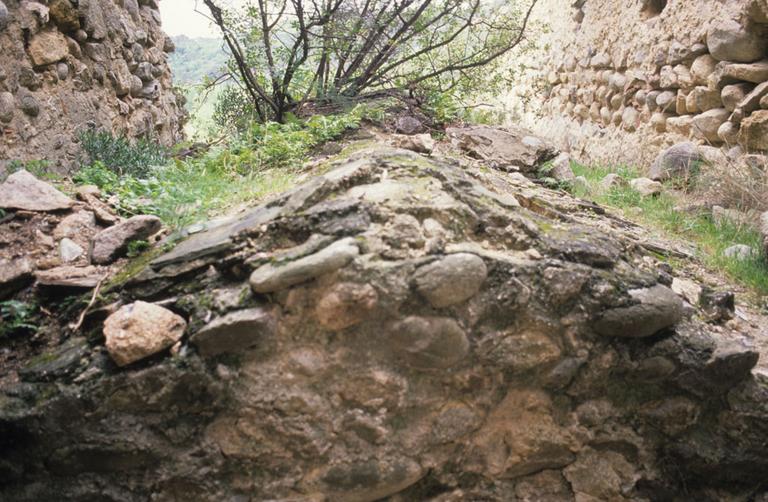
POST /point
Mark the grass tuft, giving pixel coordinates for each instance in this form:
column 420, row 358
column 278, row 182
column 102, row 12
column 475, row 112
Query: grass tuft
column 663, row 213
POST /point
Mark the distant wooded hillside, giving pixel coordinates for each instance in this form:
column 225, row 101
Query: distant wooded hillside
column 196, row 58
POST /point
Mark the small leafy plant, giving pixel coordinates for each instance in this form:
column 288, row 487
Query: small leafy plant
column 135, row 248
column 16, row 316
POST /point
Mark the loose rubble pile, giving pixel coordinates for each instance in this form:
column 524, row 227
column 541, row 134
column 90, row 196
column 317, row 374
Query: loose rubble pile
column 54, row 241
column 399, row 328
column 67, row 65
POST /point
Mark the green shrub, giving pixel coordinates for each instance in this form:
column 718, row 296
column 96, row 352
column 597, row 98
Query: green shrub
column 233, row 109
column 97, row 174
column 120, row 155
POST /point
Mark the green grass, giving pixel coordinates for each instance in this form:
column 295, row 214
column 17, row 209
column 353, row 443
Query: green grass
column 184, row 192
column 710, row 239
column 261, row 161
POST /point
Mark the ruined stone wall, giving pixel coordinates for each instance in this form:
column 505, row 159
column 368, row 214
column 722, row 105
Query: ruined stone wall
column 67, row 65
column 618, row 80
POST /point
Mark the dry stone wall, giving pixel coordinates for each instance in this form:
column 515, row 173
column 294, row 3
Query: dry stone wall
column 68, row 65
column 618, row 80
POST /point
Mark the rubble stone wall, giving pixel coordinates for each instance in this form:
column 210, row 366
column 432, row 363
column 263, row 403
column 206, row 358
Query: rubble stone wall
column 619, row 80
column 68, row 65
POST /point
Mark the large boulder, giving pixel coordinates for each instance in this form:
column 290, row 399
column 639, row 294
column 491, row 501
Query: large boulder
column 678, row 161
column 706, row 125
column 729, row 40
column 454, row 279
column 396, row 326
column 654, row 309
column 23, row 191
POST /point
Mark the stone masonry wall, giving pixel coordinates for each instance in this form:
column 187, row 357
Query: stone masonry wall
column 66, row 65
column 619, row 80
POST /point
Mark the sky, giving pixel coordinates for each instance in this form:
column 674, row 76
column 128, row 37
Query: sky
column 180, row 18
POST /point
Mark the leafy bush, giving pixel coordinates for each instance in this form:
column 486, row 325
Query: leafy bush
column 233, row 109
column 120, row 155
column 16, row 316
column 256, row 162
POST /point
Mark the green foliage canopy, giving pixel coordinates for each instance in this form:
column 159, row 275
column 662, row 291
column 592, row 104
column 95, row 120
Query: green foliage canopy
column 286, row 52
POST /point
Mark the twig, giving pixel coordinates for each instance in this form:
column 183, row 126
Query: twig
column 77, row 326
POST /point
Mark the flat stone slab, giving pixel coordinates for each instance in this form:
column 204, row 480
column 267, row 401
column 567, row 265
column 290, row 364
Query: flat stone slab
column 504, row 147
column 23, row 191
column 214, row 240
column 235, row 332
column 271, row 277
column 71, row 277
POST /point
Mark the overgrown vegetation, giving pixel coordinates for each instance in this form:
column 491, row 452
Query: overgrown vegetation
column 742, row 184
column 287, row 52
column 120, row 155
column 262, row 160
column 698, row 228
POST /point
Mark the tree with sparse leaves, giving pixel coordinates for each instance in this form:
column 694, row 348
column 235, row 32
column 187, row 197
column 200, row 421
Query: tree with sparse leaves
column 287, row 52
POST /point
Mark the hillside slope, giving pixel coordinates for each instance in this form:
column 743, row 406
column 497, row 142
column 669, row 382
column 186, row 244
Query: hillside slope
column 196, row 58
